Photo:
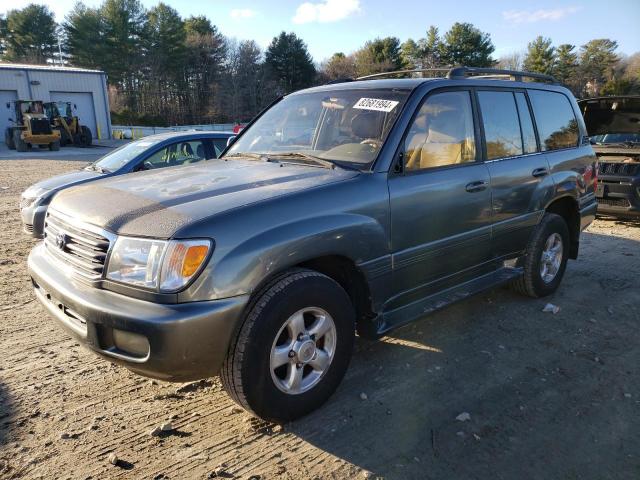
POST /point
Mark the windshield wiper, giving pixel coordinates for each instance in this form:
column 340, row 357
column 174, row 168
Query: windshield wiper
column 302, row 156
column 97, row 168
column 257, row 156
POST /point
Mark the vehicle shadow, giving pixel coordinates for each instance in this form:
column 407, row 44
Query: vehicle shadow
column 626, row 221
column 531, row 382
column 6, row 415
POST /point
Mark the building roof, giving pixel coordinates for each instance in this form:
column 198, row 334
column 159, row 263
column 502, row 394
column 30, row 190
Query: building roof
column 48, row 68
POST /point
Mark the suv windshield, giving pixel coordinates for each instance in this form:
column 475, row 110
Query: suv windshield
column 341, row 126
column 123, row 155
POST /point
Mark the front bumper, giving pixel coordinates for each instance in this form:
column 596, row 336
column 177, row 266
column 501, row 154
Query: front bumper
column 33, row 220
column 618, row 195
column 186, row 341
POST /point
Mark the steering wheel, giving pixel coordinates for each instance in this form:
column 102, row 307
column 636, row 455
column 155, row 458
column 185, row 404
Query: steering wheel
column 147, row 165
column 374, row 142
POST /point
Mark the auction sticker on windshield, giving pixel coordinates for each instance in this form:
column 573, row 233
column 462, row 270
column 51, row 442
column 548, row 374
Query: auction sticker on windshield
column 377, row 104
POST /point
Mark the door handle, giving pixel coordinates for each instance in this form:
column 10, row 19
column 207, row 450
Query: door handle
column 540, row 172
column 476, row 186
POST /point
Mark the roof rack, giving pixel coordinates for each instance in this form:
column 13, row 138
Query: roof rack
column 465, row 72
column 401, row 72
column 469, row 72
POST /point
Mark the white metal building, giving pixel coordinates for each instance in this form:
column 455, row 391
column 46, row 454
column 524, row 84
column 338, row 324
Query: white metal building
column 87, row 89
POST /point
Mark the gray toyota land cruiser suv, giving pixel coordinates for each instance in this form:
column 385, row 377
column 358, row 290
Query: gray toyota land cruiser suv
column 352, row 207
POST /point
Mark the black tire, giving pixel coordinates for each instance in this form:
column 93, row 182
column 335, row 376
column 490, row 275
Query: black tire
column 246, row 374
column 20, row 144
column 8, row 138
column 86, row 136
column 531, row 282
column 54, row 146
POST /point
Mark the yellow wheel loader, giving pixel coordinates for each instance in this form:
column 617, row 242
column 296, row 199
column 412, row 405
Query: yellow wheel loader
column 30, row 127
column 63, row 120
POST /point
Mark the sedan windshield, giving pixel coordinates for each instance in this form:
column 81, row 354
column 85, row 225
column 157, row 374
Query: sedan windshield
column 342, row 127
column 617, row 138
column 121, row 156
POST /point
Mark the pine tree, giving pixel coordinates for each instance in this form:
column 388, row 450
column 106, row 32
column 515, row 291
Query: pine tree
column 290, row 63
column 466, row 45
column 566, row 66
column 597, row 60
column 84, row 37
column 30, row 35
column 540, row 57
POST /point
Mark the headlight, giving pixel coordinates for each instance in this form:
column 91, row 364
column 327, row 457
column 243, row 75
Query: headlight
column 31, row 195
column 161, row 265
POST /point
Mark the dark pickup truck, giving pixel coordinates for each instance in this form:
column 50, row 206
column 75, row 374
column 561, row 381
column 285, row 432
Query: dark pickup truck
column 352, row 207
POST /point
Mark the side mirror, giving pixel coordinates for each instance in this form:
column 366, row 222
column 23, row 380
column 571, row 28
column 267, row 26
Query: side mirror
column 11, row 119
column 75, row 107
column 231, row 139
column 8, row 105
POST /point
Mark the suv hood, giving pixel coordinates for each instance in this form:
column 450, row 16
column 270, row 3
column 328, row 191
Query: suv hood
column 157, row 203
column 611, row 115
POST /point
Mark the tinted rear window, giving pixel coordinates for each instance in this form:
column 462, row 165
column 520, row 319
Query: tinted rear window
column 557, row 124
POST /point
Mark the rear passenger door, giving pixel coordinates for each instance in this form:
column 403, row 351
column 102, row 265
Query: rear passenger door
column 520, row 181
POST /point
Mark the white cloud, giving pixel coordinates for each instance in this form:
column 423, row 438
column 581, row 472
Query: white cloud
column 242, row 13
column 531, row 16
column 326, row 11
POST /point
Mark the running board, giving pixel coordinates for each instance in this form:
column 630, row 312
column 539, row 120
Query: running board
column 408, row 313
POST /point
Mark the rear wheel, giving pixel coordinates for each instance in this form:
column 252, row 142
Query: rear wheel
column 293, row 349
column 54, row 146
column 546, row 258
column 8, row 138
column 20, row 144
column 85, row 136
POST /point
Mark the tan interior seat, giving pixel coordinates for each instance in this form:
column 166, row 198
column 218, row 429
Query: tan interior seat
column 444, row 143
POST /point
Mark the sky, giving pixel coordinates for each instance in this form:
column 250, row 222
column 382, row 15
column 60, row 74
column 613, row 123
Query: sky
column 329, row 26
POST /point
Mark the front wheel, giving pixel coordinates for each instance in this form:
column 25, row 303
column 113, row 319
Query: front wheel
column 293, row 349
column 546, row 258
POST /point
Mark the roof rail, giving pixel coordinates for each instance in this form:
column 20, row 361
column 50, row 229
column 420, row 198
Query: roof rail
column 401, row 72
column 465, row 72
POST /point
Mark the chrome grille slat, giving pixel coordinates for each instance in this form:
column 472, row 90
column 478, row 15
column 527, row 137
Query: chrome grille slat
column 83, row 237
column 83, row 248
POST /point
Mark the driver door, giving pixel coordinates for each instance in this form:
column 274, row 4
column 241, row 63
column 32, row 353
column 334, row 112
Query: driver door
column 441, row 202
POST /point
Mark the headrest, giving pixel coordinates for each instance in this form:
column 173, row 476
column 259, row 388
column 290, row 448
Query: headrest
column 365, row 125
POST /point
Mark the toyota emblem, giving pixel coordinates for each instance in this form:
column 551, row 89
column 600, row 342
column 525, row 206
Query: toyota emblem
column 61, row 241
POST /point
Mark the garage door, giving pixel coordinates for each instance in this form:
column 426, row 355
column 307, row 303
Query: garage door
column 6, row 113
column 84, row 107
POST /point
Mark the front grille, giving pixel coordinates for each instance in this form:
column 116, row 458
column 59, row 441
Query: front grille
column 81, row 247
column 625, row 169
column 614, row 202
column 40, row 126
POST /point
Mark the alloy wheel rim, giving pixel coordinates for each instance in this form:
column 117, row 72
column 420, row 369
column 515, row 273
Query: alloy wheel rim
column 303, row 350
column 551, row 258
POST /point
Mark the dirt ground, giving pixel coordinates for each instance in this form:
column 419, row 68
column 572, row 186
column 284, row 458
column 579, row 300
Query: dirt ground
column 550, row 396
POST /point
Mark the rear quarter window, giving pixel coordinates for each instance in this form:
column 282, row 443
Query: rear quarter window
column 557, row 124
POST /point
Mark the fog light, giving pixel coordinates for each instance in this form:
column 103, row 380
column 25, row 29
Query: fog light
column 132, row 343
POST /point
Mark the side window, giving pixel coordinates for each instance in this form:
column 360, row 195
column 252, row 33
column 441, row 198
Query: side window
column 557, row 124
column 160, row 158
column 526, row 124
column 188, row 152
column 176, row 154
column 501, row 125
column 442, row 132
column 219, row 144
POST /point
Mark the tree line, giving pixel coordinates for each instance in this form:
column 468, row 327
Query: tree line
column 165, row 70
